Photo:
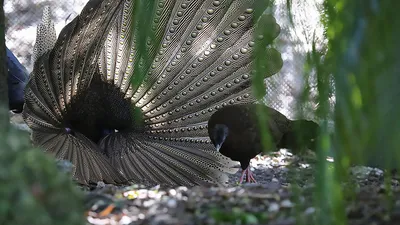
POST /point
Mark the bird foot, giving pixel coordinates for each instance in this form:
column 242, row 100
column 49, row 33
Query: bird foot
column 249, row 176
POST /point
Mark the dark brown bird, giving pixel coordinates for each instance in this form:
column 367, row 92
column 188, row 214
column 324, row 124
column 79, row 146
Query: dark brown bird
column 79, row 101
column 234, row 131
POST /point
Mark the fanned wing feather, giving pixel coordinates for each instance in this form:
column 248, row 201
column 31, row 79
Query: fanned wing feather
column 167, row 161
column 90, row 165
column 45, row 35
column 57, row 76
column 201, row 61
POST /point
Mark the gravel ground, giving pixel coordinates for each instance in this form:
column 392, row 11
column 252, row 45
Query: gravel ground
column 271, row 201
column 268, row 169
column 284, row 195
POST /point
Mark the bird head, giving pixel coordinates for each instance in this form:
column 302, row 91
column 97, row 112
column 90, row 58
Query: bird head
column 218, row 135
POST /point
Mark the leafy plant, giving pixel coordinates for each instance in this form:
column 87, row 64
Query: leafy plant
column 33, row 191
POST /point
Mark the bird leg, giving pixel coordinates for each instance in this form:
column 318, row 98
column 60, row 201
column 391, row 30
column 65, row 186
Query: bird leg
column 249, row 176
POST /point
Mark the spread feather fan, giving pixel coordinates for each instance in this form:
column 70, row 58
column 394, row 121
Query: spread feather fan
column 82, row 107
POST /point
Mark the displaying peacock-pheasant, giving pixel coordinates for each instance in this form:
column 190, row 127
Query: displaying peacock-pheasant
column 82, row 107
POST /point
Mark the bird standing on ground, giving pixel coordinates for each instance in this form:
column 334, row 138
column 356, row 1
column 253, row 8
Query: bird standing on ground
column 17, row 79
column 234, row 131
column 80, row 101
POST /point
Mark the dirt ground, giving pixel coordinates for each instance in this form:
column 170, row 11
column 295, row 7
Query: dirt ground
column 284, row 195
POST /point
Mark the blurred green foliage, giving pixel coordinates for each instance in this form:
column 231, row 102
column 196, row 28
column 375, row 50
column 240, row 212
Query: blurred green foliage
column 364, row 59
column 262, row 62
column 362, row 56
column 33, row 191
column 237, row 216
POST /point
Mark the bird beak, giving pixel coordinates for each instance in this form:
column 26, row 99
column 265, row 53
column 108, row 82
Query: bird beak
column 218, row 146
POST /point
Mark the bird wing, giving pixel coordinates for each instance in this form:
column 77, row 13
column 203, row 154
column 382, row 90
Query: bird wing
column 62, row 69
column 167, row 161
column 90, row 166
column 199, row 61
column 203, row 63
column 45, row 35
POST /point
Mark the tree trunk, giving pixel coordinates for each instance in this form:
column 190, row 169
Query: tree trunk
column 3, row 67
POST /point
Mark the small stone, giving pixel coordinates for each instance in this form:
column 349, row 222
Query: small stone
column 172, row 192
column 273, row 207
column 172, row 203
column 100, row 184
